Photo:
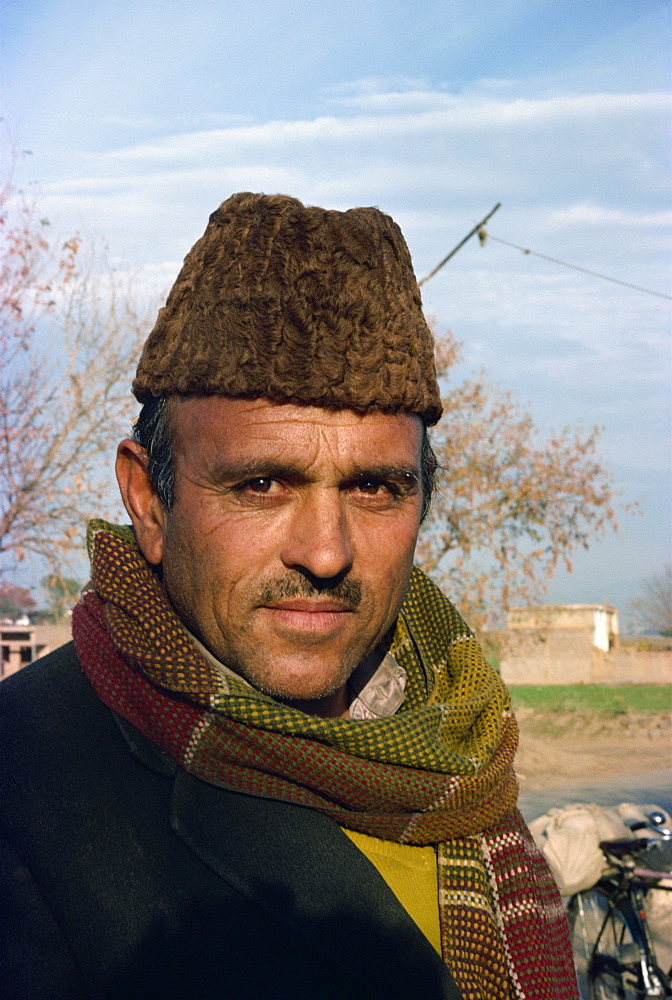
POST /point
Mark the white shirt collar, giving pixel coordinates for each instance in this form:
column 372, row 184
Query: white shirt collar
column 377, row 687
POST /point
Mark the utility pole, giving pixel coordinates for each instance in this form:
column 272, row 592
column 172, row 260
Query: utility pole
column 460, row 244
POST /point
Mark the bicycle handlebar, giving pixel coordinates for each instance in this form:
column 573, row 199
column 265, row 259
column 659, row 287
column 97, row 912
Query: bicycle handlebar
column 622, row 848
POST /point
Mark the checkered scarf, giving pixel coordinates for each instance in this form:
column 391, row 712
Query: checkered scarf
column 439, row 772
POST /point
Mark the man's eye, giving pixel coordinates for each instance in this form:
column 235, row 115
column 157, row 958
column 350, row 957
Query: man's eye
column 372, row 487
column 261, row 485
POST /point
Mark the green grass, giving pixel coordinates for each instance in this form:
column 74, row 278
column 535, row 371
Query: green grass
column 618, row 700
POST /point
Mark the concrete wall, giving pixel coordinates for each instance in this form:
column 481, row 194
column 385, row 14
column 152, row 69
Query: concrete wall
column 575, row 644
column 545, row 656
column 631, row 666
column 563, row 660
column 49, row 637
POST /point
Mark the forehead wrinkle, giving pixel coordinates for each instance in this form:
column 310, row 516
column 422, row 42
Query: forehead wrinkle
column 286, row 435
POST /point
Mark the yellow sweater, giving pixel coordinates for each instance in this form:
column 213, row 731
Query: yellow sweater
column 411, row 873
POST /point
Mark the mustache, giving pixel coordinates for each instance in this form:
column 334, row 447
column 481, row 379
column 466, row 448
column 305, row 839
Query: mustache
column 347, row 591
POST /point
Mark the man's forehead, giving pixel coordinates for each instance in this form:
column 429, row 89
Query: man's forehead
column 210, row 423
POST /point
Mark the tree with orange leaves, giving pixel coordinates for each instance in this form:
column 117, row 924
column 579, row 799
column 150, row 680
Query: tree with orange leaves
column 15, row 601
column 69, row 336
column 510, row 507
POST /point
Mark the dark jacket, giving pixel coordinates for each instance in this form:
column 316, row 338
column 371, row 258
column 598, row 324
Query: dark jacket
column 121, row 876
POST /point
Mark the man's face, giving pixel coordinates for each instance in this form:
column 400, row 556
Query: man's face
column 290, row 543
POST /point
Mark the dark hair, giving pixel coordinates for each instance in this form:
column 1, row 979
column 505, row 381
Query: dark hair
column 428, row 469
column 153, row 432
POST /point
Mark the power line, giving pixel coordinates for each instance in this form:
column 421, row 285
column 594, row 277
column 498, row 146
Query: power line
column 483, row 235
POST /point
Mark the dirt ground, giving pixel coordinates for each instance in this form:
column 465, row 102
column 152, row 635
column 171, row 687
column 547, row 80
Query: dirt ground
column 559, row 749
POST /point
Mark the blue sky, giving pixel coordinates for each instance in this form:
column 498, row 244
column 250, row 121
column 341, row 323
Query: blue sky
column 142, row 116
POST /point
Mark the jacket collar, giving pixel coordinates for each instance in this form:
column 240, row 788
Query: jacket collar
column 300, row 866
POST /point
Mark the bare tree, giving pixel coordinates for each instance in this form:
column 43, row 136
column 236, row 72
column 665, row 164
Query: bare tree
column 652, row 610
column 510, row 507
column 69, row 337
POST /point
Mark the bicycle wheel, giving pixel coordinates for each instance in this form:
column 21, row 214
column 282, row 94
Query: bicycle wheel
column 615, row 972
column 608, row 959
column 587, row 913
column 626, row 976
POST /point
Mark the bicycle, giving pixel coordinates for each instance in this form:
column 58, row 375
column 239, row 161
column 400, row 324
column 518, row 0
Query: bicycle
column 613, row 947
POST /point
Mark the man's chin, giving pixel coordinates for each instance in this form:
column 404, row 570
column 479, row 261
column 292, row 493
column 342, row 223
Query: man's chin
column 306, row 688
column 332, row 705
column 287, row 692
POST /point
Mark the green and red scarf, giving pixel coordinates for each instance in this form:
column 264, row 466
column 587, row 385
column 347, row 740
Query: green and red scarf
column 438, row 772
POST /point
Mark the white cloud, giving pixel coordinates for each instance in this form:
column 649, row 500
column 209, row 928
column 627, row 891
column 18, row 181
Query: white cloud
column 436, row 114
column 597, row 215
column 578, row 159
column 483, row 104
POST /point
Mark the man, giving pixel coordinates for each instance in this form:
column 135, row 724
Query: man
column 275, row 763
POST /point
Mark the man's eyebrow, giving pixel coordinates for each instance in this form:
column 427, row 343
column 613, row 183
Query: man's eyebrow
column 261, row 468
column 399, row 474
column 251, row 468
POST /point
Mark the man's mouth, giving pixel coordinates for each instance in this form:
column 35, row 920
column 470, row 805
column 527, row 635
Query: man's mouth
column 305, row 604
column 304, row 615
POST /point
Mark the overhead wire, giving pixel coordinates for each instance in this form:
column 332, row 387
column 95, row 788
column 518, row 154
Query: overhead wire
column 483, row 235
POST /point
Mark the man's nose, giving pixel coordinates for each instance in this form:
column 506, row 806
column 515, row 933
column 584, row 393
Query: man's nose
column 318, row 540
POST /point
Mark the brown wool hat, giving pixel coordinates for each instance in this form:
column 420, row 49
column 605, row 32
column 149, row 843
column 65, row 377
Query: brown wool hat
column 299, row 305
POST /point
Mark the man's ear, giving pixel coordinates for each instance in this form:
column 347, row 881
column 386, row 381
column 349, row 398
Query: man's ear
column 140, row 500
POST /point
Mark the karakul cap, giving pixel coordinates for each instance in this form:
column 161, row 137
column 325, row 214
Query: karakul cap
column 299, row 305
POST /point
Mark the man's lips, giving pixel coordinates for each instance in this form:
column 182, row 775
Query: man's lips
column 305, row 615
column 305, row 604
